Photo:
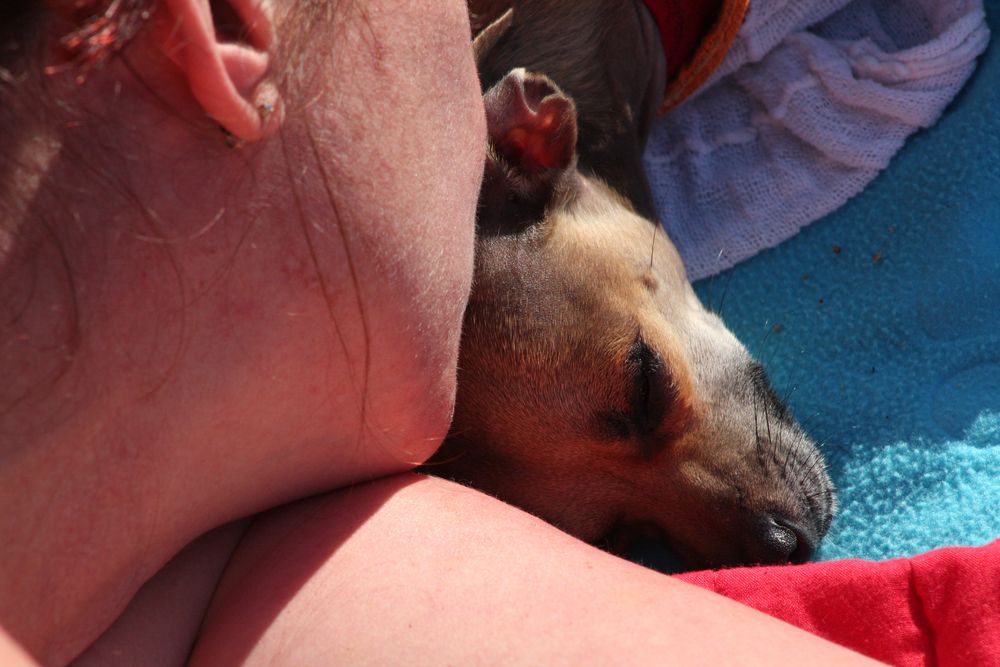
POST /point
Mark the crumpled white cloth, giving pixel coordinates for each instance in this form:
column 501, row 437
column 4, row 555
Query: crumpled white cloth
column 813, row 99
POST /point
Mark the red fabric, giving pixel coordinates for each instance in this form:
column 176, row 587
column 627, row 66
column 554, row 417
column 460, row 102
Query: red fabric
column 683, row 24
column 939, row 608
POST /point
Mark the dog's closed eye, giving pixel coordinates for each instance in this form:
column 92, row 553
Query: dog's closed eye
column 648, row 417
column 651, row 396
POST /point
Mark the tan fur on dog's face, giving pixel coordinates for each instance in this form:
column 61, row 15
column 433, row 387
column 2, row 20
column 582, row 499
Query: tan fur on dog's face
column 550, row 364
column 594, row 390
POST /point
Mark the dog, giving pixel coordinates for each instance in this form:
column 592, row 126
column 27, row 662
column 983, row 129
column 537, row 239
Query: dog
column 594, row 389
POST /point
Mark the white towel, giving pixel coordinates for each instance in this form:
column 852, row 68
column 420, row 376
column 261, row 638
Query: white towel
column 813, row 99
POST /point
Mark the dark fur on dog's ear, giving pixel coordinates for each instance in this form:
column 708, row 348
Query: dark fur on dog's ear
column 532, row 147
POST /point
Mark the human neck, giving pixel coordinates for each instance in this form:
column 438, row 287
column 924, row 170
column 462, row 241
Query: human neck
column 80, row 196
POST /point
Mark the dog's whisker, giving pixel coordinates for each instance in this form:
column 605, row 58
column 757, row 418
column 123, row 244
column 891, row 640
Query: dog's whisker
column 652, row 247
column 711, row 284
column 770, row 440
column 725, row 292
column 756, row 431
column 788, row 450
column 765, row 339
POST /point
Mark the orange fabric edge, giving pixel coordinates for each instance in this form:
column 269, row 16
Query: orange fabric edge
column 709, row 55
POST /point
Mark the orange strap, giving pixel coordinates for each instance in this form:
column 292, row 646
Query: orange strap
column 687, row 71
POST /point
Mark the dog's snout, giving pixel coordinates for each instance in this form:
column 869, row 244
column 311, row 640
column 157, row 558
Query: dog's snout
column 805, row 542
column 779, row 541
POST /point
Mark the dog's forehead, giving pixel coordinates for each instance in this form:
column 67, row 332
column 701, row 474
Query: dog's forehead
column 585, row 282
column 600, row 228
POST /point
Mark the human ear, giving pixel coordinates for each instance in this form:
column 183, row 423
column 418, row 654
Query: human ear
column 226, row 69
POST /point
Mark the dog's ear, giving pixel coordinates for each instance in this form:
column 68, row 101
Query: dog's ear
column 489, row 35
column 532, row 145
column 531, row 123
column 532, row 149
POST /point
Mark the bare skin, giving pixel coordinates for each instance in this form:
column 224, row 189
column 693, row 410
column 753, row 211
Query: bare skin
column 464, row 579
column 221, row 360
column 198, row 333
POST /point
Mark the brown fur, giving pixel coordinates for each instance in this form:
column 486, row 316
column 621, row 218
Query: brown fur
column 594, row 389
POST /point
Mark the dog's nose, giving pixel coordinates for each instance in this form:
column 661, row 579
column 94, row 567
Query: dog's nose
column 779, row 541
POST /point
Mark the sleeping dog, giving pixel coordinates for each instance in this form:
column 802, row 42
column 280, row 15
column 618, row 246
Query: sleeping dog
column 594, row 389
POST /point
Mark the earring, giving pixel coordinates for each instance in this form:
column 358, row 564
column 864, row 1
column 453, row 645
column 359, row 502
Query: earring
column 265, row 109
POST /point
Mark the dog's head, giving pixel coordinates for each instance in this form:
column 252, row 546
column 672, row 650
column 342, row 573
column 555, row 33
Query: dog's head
column 594, row 388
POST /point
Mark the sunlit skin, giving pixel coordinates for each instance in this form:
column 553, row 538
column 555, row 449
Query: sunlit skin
column 253, row 325
column 197, row 329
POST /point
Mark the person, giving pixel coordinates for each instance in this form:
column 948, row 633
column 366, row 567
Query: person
column 235, row 248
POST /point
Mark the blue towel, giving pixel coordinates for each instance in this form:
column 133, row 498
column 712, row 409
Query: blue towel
column 883, row 319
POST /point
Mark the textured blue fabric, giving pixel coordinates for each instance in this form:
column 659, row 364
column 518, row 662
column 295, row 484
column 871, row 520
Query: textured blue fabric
column 892, row 344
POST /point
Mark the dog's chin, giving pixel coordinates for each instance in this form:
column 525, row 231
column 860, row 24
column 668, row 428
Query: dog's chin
column 648, row 544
